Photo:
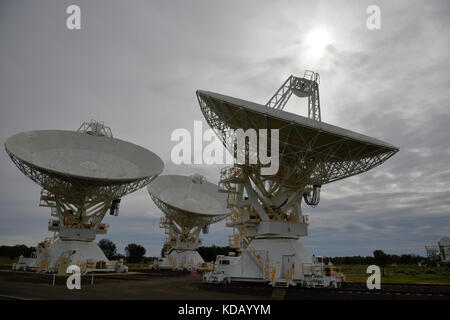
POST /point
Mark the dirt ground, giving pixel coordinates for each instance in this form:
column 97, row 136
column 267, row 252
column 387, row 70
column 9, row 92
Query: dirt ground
column 113, row 286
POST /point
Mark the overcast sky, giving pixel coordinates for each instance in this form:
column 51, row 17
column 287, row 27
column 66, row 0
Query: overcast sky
column 136, row 65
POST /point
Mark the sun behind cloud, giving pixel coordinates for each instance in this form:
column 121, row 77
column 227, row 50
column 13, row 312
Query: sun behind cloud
column 317, row 40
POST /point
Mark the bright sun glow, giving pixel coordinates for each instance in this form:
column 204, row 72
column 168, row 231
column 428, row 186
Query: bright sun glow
column 317, row 41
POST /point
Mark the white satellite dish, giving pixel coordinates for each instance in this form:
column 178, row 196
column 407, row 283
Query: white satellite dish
column 311, row 152
column 84, row 174
column 190, row 204
column 267, row 208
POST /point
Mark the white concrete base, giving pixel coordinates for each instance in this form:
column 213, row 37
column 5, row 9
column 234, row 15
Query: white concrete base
column 284, row 256
column 84, row 250
column 181, row 260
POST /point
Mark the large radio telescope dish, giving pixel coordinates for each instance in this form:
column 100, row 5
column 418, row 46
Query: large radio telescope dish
column 190, row 204
column 311, row 152
column 83, row 174
column 76, row 165
column 188, row 201
column 267, row 217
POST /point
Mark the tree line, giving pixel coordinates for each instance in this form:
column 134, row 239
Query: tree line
column 135, row 253
column 15, row 251
column 379, row 258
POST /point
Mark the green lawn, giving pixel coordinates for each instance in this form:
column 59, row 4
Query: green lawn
column 400, row 274
column 8, row 261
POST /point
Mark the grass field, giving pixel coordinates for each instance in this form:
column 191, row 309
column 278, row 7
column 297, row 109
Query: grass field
column 7, row 261
column 400, row 274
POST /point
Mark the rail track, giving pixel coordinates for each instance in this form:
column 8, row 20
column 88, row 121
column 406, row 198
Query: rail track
column 347, row 291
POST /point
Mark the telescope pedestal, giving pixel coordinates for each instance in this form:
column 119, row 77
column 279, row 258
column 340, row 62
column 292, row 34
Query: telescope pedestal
column 181, row 260
column 266, row 228
column 81, row 253
column 271, row 259
column 76, row 227
column 264, row 260
column 179, row 253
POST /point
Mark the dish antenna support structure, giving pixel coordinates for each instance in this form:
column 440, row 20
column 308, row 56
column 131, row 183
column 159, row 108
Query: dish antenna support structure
column 267, row 218
column 308, row 86
column 190, row 205
column 84, row 174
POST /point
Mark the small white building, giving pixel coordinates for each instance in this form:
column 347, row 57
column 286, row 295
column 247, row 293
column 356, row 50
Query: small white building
column 444, row 249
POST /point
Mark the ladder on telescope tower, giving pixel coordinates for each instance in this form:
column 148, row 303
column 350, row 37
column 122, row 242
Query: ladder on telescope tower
column 230, row 178
column 48, row 200
column 228, row 185
column 268, row 271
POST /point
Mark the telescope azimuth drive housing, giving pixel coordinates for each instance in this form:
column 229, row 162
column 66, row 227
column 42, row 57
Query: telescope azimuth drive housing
column 190, row 204
column 267, row 219
column 83, row 174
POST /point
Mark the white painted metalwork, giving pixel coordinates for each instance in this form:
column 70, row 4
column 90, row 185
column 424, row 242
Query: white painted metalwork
column 444, row 249
column 83, row 175
column 308, row 86
column 266, row 218
column 95, row 128
column 190, row 205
